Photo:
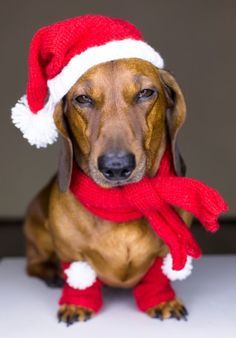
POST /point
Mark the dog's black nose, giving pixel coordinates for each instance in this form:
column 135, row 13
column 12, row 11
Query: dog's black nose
column 116, row 166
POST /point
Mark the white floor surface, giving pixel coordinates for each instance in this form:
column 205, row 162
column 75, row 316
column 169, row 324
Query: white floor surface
column 28, row 307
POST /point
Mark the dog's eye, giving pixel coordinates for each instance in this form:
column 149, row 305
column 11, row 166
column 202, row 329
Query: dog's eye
column 145, row 94
column 84, row 100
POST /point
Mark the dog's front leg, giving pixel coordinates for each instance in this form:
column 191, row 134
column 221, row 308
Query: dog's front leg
column 81, row 295
column 155, row 295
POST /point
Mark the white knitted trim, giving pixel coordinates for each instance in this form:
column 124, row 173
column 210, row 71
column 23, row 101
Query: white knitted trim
column 176, row 274
column 114, row 50
column 39, row 129
column 80, row 275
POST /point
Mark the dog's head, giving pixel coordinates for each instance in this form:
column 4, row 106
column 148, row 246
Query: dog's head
column 116, row 121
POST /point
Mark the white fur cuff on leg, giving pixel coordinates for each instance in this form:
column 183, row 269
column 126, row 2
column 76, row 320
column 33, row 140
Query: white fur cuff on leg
column 80, row 275
column 176, row 274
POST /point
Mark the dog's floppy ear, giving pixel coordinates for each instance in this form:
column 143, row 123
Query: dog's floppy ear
column 175, row 117
column 66, row 148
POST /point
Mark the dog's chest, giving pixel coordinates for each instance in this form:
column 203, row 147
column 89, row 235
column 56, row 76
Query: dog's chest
column 121, row 252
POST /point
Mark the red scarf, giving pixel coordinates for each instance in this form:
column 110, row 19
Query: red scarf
column 154, row 198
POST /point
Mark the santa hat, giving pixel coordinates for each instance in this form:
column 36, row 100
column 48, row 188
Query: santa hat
column 59, row 55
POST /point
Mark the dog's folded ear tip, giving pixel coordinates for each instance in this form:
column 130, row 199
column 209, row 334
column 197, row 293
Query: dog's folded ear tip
column 178, row 161
column 64, row 187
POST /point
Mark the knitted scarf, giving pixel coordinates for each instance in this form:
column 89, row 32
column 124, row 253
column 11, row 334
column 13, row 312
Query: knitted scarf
column 155, row 199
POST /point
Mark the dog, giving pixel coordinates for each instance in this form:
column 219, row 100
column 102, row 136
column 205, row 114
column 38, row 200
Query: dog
column 115, row 123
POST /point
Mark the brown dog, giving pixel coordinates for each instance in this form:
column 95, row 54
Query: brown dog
column 126, row 109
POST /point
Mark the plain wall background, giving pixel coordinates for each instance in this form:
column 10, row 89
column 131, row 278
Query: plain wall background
column 197, row 41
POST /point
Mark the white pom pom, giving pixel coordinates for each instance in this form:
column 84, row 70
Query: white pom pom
column 39, row 129
column 176, row 274
column 80, row 275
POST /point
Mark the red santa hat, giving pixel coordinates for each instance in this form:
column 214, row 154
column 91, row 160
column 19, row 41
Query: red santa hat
column 59, row 55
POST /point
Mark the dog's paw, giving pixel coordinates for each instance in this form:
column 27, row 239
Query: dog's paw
column 55, row 282
column 70, row 314
column 49, row 272
column 171, row 309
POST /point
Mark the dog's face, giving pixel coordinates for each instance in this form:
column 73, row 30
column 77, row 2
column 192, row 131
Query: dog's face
column 116, row 118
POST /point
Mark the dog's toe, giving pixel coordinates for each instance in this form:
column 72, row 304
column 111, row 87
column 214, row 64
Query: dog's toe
column 170, row 309
column 70, row 314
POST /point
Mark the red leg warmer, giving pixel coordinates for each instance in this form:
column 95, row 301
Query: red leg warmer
column 90, row 297
column 154, row 288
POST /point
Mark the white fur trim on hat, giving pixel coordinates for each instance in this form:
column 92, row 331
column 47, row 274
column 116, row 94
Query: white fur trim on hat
column 80, row 275
column 39, row 129
column 176, row 274
column 114, row 50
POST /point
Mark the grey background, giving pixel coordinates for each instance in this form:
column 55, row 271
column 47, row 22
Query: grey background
column 197, row 41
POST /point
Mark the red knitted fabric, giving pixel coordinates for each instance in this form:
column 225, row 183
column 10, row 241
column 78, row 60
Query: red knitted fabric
column 90, row 298
column 154, row 288
column 154, row 199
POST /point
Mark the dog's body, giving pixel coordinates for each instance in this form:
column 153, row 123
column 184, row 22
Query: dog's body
column 59, row 228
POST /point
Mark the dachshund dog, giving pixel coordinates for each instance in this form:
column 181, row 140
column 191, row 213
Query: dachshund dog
column 125, row 112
